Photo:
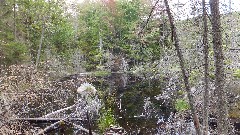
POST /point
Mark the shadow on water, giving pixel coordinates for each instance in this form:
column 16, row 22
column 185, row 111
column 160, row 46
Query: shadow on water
column 136, row 108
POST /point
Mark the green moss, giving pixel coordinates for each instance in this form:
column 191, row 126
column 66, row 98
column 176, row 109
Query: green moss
column 234, row 112
column 101, row 73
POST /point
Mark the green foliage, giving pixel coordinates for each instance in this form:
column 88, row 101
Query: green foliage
column 194, row 76
column 116, row 24
column 236, row 73
column 106, row 120
column 62, row 37
column 101, row 73
column 181, row 105
column 14, row 53
column 6, row 32
column 180, row 92
column 91, row 20
column 34, row 17
column 132, row 101
column 212, row 76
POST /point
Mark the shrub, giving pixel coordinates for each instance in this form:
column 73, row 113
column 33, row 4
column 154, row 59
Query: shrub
column 106, row 120
column 14, row 53
column 181, row 105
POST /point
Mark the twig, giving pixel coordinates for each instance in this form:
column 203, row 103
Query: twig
column 58, row 111
column 50, row 127
column 47, row 119
column 233, row 49
column 59, row 122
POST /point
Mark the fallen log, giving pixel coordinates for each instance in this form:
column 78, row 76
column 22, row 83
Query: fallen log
column 47, row 120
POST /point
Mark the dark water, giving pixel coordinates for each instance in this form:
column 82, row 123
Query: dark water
column 130, row 94
column 131, row 110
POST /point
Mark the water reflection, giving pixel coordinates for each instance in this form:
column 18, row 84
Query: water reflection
column 136, row 108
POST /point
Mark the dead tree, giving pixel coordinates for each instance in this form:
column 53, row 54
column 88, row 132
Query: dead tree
column 206, row 70
column 183, row 69
column 219, row 68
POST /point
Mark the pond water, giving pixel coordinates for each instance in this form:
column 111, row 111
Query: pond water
column 136, row 105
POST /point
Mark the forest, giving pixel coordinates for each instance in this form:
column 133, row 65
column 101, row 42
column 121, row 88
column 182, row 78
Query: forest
column 119, row 67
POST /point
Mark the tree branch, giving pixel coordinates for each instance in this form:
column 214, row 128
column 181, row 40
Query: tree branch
column 58, row 111
column 50, row 127
column 149, row 16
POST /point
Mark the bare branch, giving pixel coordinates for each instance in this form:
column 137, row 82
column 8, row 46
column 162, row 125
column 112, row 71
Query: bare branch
column 58, row 111
column 149, row 16
column 50, row 127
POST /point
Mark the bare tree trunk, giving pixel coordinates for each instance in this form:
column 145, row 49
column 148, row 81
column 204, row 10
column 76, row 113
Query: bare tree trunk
column 206, row 70
column 89, row 124
column 219, row 71
column 15, row 29
column 100, row 48
column 183, row 69
column 40, row 44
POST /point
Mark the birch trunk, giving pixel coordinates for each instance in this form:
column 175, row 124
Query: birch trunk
column 219, row 71
column 183, row 69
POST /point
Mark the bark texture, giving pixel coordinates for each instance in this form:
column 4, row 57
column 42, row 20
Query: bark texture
column 14, row 15
column 40, row 44
column 183, row 69
column 206, row 70
column 219, row 71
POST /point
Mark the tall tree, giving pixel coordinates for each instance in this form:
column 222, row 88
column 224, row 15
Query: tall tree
column 111, row 22
column 15, row 29
column 40, row 44
column 206, row 70
column 222, row 112
column 183, row 69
